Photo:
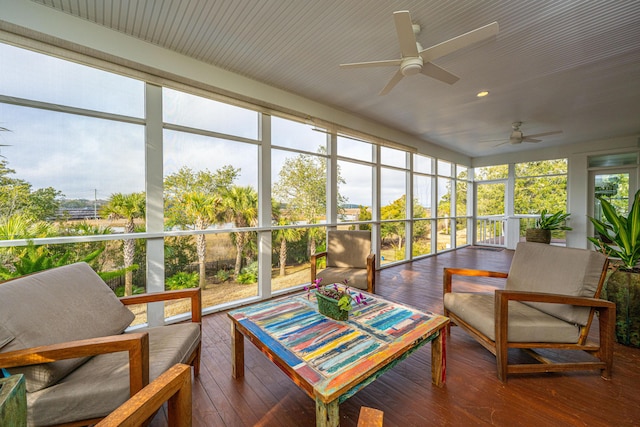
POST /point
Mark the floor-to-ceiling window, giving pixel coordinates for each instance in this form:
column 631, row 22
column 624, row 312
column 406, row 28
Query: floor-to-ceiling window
column 423, row 199
column 299, row 162
column 210, row 178
column 393, row 201
column 72, row 167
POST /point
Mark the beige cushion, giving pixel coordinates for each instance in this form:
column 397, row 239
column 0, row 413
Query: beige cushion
column 99, row 386
column 526, row 324
column 357, row 277
column 537, row 267
column 5, row 336
column 348, row 248
column 58, row 305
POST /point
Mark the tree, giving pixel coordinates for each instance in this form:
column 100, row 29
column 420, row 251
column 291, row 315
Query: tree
column 17, row 197
column 201, row 210
column 193, row 200
column 364, row 214
column 397, row 210
column 240, row 206
column 302, row 189
column 284, row 235
column 129, row 207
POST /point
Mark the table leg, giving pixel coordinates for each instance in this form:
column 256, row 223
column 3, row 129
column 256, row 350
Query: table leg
column 237, row 352
column 439, row 358
column 327, row 414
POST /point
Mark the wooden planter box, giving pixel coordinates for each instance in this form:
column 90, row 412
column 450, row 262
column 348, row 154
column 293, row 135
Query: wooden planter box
column 538, row 235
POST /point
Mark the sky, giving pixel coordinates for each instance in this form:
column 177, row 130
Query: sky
column 85, row 157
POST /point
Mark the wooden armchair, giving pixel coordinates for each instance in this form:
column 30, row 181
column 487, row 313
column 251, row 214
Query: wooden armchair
column 174, row 387
column 348, row 256
column 549, row 301
column 63, row 330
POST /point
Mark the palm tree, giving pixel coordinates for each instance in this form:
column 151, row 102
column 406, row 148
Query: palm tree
column 286, row 235
column 129, row 207
column 240, row 207
column 201, row 210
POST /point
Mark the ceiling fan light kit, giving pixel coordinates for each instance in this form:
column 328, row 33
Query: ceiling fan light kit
column 415, row 59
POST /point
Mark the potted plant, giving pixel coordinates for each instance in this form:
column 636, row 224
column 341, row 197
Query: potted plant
column 545, row 225
column 334, row 300
column 619, row 237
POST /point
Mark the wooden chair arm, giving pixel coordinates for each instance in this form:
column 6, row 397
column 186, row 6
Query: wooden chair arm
column 596, row 303
column 173, row 386
column 450, row 272
column 195, row 294
column 314, row 263
column 136, row 344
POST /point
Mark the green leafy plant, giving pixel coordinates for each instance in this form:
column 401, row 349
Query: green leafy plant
column 182, row 280
column 119, row 291
column 249, row 274
column 554, row 221
column 222, row 275
column 622, row 232
column 37, row 258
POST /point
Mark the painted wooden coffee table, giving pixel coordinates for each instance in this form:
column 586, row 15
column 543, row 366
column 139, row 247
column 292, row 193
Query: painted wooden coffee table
column 331, row 360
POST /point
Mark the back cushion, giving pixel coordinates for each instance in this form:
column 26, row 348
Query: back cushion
column 348, row 248
column 54, row 306
column 538, row 267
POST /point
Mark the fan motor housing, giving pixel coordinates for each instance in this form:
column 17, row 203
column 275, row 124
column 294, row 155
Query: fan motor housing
column 411, row 66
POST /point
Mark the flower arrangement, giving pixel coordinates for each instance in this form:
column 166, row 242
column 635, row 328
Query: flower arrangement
column 337, row 293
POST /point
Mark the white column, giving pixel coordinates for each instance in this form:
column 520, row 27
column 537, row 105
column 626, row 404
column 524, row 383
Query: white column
column 264, row 206
column 155, row 204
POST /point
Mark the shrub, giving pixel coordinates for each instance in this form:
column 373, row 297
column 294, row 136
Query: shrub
column 249, row 274
column 182, row 280
column 136, row 290
column 222, row 275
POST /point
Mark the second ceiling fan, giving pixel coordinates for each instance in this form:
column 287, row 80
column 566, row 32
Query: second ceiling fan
column 518, row 137
column 415, row 59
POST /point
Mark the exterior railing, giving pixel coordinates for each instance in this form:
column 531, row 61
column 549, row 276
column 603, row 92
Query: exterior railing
column 490, row 230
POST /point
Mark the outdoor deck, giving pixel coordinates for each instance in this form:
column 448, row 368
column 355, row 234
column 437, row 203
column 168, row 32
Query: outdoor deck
column 472, row 395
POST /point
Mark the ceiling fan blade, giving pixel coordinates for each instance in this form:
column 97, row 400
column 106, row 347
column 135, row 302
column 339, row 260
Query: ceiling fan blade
column 394, row 81
column 438, row 73
column 555, row 132
column 390, row 62
column 529, row 139
column 434, row 52
column 406, row 36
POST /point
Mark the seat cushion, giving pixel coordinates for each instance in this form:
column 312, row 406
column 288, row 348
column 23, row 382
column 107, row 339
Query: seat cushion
column 526, row 324
column 537, row 267
column 348, row 248
column 99, row 386
column 357, row 277
column 62, row 304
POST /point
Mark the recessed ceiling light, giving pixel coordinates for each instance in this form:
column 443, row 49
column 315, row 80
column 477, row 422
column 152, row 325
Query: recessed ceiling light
column 482, row 94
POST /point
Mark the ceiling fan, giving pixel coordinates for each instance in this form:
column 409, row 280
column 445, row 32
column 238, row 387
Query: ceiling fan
column 415, row 59
column 518, row 137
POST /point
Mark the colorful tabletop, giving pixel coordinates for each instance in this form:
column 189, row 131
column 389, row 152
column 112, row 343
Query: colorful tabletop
column 331, row 360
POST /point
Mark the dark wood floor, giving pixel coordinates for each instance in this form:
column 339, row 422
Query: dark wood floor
column 472, row 395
